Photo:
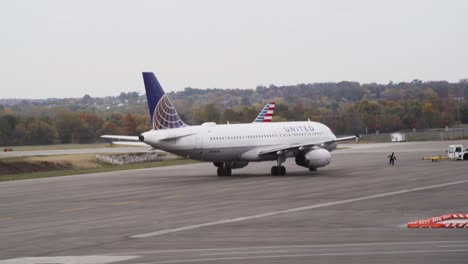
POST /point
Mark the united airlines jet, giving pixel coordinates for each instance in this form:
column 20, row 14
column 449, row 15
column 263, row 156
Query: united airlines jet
column 233, row 146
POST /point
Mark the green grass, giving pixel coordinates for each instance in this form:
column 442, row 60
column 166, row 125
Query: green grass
column 103, row 168
column 59, row 146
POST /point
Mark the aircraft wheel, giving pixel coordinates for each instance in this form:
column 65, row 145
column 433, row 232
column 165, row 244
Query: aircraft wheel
column 282, row 171
column 220, row 171
column 274, row 171
column 312, row 169
column 228, row 172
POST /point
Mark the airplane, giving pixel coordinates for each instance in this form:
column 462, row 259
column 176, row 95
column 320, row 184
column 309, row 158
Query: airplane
column 266, row 115
column 233, row 146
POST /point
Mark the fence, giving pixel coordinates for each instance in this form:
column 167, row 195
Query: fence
column 421, row 135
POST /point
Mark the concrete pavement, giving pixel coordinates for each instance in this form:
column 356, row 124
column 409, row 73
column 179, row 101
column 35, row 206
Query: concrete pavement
column 353, row 211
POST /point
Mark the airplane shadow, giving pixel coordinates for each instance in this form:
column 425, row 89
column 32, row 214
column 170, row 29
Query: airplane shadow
column 323, row 173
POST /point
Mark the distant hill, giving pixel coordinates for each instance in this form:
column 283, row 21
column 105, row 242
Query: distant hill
column 346, row 107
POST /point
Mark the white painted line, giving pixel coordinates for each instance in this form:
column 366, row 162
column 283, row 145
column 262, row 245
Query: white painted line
column 448, row 246
column 68, row 259
column 369, row 253
column 294, row 210
column 243, row 253
column 74, row 209
column 127, row 203
column 342, row 245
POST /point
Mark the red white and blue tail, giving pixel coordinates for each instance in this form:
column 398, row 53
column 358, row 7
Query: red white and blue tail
column 266, row 114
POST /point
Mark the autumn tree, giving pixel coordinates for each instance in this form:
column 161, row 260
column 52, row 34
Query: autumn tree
column 67, row 125
column 40, row 133
column 129, row 125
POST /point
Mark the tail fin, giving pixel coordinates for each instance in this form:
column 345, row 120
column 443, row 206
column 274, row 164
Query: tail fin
column 162, row 112
column 266, row 114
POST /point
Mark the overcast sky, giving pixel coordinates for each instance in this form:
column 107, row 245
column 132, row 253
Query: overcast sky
column 72, row 48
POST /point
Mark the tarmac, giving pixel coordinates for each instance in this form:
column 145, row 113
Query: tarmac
column 353, row 211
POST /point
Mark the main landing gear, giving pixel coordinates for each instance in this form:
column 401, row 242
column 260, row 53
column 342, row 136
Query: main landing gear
column 223, row 170
column 279, row 170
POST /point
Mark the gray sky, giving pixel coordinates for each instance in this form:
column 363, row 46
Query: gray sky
column 72, row 48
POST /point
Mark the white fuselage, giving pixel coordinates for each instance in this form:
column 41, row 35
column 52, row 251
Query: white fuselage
column 238, row 142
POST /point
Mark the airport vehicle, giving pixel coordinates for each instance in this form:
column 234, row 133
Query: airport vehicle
column 435, row 158
column 232, row 146
column 457, row 152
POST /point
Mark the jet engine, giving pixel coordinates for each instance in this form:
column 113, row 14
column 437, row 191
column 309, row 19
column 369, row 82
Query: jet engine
column 314, row 159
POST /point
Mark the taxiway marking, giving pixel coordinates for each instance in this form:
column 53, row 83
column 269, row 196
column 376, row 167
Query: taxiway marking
column 300, row 247
column 6, row 219
column 243, row 253
column 449, row 246
column 332, row 254
column 127, row 203
column 294, row 210
column 67, row 260
column 173, row 196
column 74, row 209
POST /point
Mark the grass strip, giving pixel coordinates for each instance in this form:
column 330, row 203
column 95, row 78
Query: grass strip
column 103, row 168
column 61, row 146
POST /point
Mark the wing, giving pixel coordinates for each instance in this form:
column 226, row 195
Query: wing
column 290, row 148
column 348, row 138
column 303, row 146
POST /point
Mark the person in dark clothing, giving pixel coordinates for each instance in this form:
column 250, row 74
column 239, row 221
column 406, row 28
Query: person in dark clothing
column 392, row 159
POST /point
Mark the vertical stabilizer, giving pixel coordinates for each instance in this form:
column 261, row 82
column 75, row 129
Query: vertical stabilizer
column 266, row 114
column 162, row 112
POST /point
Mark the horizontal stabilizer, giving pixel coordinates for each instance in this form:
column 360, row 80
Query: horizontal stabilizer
column 135, row 138
column 130, row 143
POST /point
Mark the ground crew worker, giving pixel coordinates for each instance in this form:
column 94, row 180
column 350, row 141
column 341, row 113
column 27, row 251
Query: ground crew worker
column 392, row 159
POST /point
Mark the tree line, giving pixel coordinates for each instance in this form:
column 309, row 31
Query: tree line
column 346, row 107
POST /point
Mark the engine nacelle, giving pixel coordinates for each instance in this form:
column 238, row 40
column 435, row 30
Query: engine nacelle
column 232, row 164
column 314, row 159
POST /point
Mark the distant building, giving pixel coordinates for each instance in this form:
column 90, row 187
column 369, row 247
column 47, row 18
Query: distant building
column 457, row 93
column 397, row 137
